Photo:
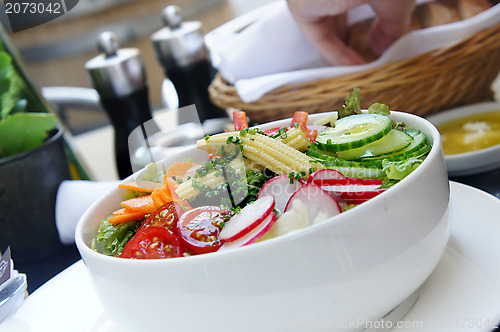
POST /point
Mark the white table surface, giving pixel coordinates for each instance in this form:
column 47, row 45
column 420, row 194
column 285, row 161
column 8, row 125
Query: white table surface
column 464, row 289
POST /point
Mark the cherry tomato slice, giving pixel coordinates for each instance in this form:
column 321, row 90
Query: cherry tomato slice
column 199, row 228
column 165, row 216
column 152, row 243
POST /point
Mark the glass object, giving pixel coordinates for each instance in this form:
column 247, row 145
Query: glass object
column 30, row 173
column 31, row 100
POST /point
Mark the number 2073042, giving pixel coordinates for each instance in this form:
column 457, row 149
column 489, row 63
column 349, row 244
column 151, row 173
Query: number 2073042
column 33, row 8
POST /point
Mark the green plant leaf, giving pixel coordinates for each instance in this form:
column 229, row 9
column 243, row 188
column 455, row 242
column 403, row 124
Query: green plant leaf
column 9, row 99
column 5, row 61
column 24, row 131
column 4, row 85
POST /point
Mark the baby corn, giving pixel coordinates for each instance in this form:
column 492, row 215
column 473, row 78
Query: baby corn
column 187, row 191
column 211, row 179
column 253, row 166
column 295, row 138
column 281, row 155
column 264, row 150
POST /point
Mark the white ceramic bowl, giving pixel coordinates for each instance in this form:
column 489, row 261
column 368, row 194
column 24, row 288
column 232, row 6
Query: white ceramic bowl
column 351, row 269
column 473, row 162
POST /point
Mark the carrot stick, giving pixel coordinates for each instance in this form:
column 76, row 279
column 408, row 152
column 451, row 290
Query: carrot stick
column 171, row 186
column 166, row 195
column 300, row 118
column 125, row 215
column 121, row 212
column 143, row 185
column 142, row 203
column 179, row 169
column 240, row 120
column 158, row 198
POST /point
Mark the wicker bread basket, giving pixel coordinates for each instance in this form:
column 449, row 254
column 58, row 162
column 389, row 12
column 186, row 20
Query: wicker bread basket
column 450, row 76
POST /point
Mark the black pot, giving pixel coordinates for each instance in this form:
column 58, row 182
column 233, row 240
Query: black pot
column 28, row 187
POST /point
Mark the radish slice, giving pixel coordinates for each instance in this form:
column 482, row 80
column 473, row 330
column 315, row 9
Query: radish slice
column 321, row 205
column 295, row 218
column 325, row 174
column 253, row 235
column 316, row 127
column 361, row 195
column 347, row 188
column 346, row 181
column 350, row 189
column 281, row 189
column 249, row 218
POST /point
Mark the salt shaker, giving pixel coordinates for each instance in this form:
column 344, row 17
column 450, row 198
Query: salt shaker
column 181, row 50
column 119, row 77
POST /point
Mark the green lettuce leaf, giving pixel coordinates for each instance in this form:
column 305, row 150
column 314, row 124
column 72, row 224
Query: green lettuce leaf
column 111, row 239
column 11, row 87
column 150, row 172
column 379, row 108
column 398, row 170
column 24, row 121
column 352, row 104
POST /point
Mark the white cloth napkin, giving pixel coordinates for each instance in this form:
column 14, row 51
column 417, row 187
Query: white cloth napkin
column 272, row 51
column 73, row 198
column 263, row 47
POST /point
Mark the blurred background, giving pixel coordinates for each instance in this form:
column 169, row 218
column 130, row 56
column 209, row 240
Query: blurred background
column 55, row 52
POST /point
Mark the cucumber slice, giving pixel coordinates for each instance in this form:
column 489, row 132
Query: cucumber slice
column 413, row 132
column 395, row 141
column 420, row 152
column 419, row 141
column 353, row 132
column 334, row 161
column 312, row 152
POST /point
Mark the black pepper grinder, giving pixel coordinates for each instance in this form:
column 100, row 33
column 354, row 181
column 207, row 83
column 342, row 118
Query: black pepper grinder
column 181, row 50
column 119, row 77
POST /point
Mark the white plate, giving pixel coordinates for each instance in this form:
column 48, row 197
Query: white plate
column 462, row 294
column 474, row 162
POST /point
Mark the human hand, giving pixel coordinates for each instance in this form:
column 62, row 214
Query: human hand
column 324, row 23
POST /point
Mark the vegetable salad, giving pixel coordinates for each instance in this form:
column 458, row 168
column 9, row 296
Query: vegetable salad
column 258, row 185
